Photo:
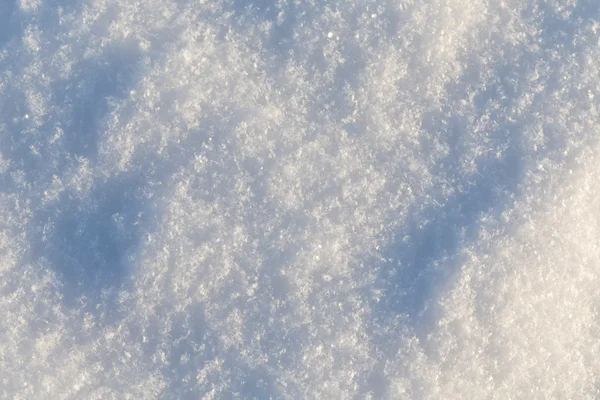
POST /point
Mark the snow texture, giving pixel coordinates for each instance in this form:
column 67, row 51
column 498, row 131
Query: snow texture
column 237, row 199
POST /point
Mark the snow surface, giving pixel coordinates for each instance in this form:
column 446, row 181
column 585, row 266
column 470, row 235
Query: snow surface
column 385, row 199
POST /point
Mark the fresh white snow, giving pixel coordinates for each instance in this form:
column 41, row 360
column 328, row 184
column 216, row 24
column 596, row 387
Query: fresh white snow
column 237, row 199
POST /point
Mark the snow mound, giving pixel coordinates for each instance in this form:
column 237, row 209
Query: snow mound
column 284, row 199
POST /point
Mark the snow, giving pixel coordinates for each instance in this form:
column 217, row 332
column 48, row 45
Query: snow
column 282, row 199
